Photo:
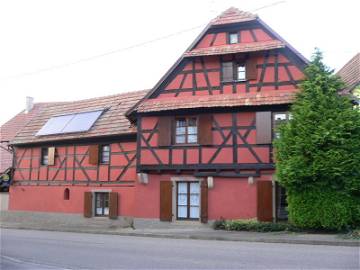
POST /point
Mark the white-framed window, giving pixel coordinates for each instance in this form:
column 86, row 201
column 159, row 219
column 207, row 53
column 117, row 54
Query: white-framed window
column 241, row 72
column 233, row 38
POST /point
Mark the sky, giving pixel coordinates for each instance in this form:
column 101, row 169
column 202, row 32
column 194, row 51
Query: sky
column 61, row 50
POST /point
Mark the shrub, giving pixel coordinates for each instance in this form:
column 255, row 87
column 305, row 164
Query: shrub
column 252, row 225
column 323, row 209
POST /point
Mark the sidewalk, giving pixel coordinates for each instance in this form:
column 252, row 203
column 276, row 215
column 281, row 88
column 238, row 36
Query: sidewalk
column 176, row 231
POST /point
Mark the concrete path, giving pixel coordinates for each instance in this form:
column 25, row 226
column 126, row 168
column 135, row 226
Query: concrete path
column 24, row 249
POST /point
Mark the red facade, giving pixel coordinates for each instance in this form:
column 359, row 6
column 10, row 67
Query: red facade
column 198, row 145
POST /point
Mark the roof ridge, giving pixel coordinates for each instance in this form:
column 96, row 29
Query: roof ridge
column 233, row 15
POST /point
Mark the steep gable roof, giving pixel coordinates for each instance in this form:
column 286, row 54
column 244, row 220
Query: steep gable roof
column 228, row 17
column 350, row 73
column 112, row 122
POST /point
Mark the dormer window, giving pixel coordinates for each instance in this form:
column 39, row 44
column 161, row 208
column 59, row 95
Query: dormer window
column 233, row 38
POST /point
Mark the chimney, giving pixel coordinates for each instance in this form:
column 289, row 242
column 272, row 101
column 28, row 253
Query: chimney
column 29, row 104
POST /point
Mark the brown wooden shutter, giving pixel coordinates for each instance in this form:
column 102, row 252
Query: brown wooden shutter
column 204, row 202
column 251, row 70
column 51, row 156
column 113, row 205
column 87, row 204
column 94, row 154
column 227, row 71
column 263, row 127
column 165, row 200
column 204, row 129
column 164, row 129
column 264, row 201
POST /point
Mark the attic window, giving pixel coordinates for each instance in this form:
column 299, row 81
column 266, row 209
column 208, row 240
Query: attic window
column 70, row 123
column 233, row 38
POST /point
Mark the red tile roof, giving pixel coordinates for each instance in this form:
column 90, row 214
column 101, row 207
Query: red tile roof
column 350, row 73
column 9, row 130
column 224, row 100
column 111, row 122
column 233, row 15
column 236, row 48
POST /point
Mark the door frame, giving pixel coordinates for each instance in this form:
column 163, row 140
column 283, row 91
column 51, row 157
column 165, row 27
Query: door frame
column 175, row 180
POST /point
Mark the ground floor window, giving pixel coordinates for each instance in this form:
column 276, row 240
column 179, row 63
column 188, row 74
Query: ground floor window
column 188, row 200
column 101, row 203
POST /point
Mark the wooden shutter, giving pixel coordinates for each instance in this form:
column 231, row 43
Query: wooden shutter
column 251, row 70
column 165, row 200
column 51, row 156
column 264, row 201
column 164, row 131
column 204, row 129
column 263, row 127
column 204, row 202
column 87, row 204
column 113, row 205
column 94, row 154
column 227, row 71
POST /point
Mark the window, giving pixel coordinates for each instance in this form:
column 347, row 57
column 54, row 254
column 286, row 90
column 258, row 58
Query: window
column 101, row 204
column 69, row 123
column 67, row 194
column 278, row 119
column 241, row 73
column 105, row 154
column 188, row 200
column 233, row 38
column 227, row 71
column 186, row 130
column 44, row 156
column 228, row 74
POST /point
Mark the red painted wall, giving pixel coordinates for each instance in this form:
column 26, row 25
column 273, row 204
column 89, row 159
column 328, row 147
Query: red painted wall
column 51, row 198
column 183, row 80
column 72, row 163
column 245, row 121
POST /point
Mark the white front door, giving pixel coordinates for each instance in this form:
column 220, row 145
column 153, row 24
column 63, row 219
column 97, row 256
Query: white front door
column 188, row 200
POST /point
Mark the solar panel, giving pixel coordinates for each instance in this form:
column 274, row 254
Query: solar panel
column 70, row 123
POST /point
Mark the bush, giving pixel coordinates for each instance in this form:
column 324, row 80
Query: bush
column 251, row 225
column 323, row 209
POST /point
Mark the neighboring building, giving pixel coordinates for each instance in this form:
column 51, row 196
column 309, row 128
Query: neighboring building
column 198, row 146
column 7, row 133
column 350, row 74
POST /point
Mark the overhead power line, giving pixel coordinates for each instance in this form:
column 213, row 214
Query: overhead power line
column 97, row 56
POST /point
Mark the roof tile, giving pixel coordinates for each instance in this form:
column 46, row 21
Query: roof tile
column 236, row 48
column 225, row 100
column 111, row 122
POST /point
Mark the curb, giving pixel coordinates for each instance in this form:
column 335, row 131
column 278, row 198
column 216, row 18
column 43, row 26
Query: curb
column 351, row 243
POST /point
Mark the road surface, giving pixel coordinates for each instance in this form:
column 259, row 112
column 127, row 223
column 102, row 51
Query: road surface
column 25, row 249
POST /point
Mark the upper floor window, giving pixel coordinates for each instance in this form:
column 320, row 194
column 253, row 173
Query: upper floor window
column 241, row 72
column 44, row 156
column 233, row 38
column 105, row 154
column 186, row 130
column 232, row 71
column 278, row 119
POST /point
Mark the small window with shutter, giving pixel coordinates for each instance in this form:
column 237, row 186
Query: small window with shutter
column 105, row 154
column 44, row 156
column 186, row 130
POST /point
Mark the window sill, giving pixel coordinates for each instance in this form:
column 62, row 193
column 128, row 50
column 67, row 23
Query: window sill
column 234, row 81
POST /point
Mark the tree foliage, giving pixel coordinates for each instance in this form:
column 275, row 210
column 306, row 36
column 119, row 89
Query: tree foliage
column 319, row 149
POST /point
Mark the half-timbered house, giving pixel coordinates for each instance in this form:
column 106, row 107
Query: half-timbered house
column 198, row 146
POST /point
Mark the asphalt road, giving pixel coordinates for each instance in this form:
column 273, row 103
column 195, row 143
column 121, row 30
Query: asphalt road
column 25, row 249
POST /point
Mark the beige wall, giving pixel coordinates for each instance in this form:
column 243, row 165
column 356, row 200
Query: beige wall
column 4, row 201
